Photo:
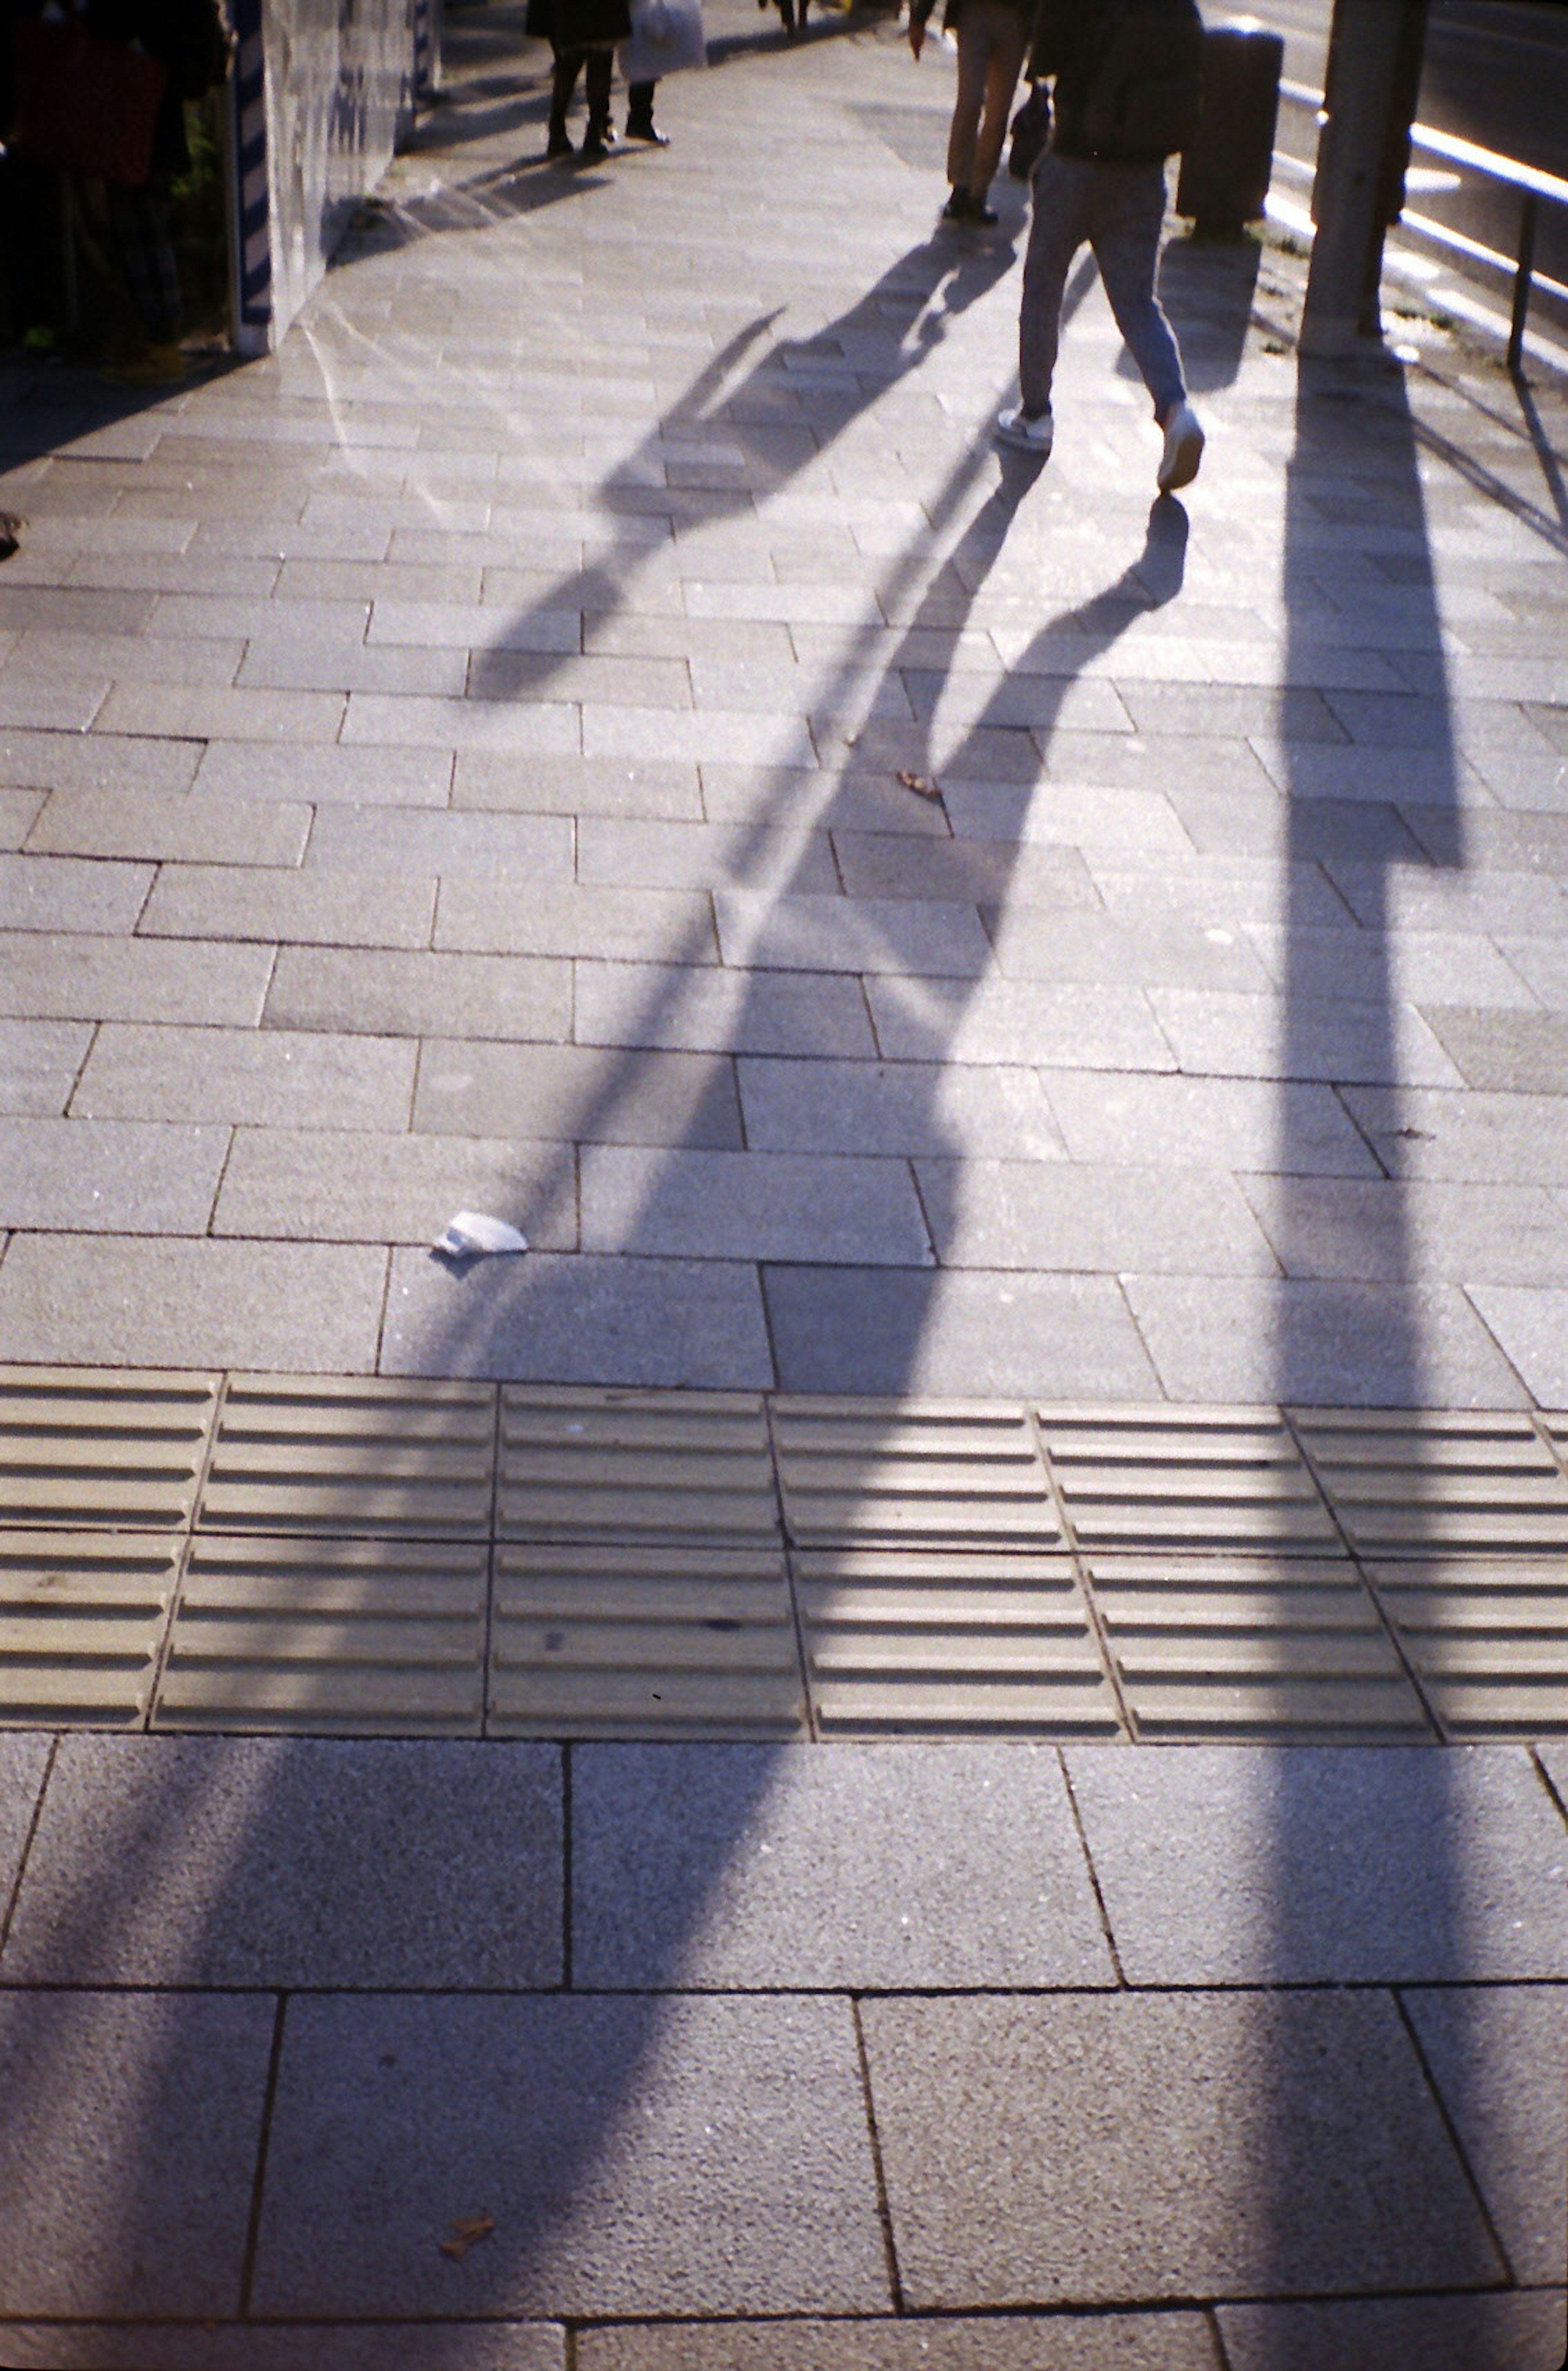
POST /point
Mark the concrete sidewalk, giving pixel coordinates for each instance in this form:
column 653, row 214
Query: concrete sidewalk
column 1028, row 1034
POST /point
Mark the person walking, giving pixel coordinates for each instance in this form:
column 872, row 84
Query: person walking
column 993, row 37
column 1126, row 78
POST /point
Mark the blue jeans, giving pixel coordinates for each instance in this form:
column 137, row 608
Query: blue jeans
column 1119, row 209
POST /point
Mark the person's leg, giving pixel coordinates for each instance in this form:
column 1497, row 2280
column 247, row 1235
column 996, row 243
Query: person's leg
column 974, row 47
column 640, row 115
column 140, row 220
column 596, row 86
column 1008, row 41
column 568, row 64
column 1057, row 230
column 1127, row 214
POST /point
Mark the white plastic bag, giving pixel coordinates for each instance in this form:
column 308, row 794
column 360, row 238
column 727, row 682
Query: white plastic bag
column 666, row 37
column 472, row 1233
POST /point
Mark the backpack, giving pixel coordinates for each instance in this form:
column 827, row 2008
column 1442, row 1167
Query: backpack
column 1143, row 92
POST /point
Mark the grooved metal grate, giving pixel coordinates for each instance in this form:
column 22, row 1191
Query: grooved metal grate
column 1404, row 1484
column 319, row 1455
column 643, row 1641
column 901, row 1643
column 1244, row 1647
column 338, row 1634
column 82, row 1617
column 1219, row 1478
column 635, row 1466
column 123, row 1450
column 945, row 1475
column 1489, row 1639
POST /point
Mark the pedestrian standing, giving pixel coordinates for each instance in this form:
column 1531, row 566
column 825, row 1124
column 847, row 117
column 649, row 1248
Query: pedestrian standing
column 1126, row 78
column 993, row 37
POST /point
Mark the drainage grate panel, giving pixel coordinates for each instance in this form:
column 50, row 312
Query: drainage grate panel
column 941, row 1475
column 901, row 1644
column 1251, row 1647
column 578, row 1465
column 1223, row 1478
column 121, row 1448
column 82, row 1617
column 335, row 1635
column 322, row 1456
column 1488, row 1640
column 1402, row 1483
column 643, row 1641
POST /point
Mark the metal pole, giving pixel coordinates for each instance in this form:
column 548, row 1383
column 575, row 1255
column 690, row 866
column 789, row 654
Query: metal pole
column 1374, row 68
column 1522, row 279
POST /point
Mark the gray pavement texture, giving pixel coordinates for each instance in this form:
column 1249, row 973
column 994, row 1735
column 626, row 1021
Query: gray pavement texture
column 592, row 730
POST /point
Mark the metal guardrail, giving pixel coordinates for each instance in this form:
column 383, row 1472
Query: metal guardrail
column 1535, row 186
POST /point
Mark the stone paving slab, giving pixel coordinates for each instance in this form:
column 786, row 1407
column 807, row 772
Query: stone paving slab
column 1499, row 2057
column 131, row 2122
column 314, row 1308
column 865, row 1868
column 292, row 1863
column 1151, row 2341
column 688, row 2156
column 1104, row 2149
column 1342, row 1865
column 215, row 2345
column 1512, row 2331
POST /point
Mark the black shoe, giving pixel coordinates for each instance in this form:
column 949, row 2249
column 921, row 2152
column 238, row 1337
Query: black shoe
column 985, row 217
column 559, row 142
column 597, row 143
column 958, row 206
column 644, row 128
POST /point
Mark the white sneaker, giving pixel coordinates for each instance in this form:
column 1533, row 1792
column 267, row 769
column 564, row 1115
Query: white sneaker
column 1183, row 449
column 1016, row 426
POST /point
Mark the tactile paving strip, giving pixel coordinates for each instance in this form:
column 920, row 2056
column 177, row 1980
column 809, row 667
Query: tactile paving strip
column 1489, row 1640
column 124, row 1449
column 580, row 1465
column 1403, row 1484
column 82, row 1617
column 944, row 1474
column 1178, row 1478
column 901, row 1644
column 641, row 1641
column 315, row 1454
column 332, row 1635
column 1251, row 1647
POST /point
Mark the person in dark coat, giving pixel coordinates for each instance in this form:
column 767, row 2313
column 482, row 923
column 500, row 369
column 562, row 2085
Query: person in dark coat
column 583, row 35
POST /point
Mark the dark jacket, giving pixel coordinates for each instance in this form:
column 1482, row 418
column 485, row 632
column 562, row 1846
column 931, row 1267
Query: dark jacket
column 922, row 11
column 578, row 24
column 1070, row 39
column 191, row 38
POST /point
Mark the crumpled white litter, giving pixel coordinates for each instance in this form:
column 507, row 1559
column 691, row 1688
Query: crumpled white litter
column 472, row 1232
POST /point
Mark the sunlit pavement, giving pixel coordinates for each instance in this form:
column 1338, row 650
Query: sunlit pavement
column 1026, row 1031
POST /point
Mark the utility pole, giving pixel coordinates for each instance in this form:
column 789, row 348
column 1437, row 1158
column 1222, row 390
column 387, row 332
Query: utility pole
column 1363, row 152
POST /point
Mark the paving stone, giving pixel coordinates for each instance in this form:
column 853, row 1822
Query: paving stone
column 22, row 1764
column 775, row 1206
column 117, row 1301
column 302, row 1861
column 323, row 1185
column 1499, row 2055
column 896, row 1107
column 132, row 2120
column 87, row 977
column 903, row 936
column 1432, row 1232
column 1232, row 1864
column 1022, row 1020
column 67, row 893
column 569, row 1093
column 1505, row 2331
column 705, row 2155
column 572, row 1319
column 1131, row 1120
column 326, row 772
column 1214, row 2108
column 149, row 825
column 1095, row 949
column 704, row 1008
column 894, row 1330
column 1173, row 2340
column 217, row 901
column 117, row 1176
column 1084, row 1216
column 214, row 2345
column 39, row 1062
column 654, row 926
column 411, row 841
column 643, row 789
column 1528, row 1324
column 260, row 1076
column 383, row 993
column 1296, row 1038
column 843, row 1867
column 1511, row 1053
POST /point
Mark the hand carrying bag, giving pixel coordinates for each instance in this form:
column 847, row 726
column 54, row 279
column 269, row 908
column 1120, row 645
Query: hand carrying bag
column 83, row 105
